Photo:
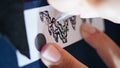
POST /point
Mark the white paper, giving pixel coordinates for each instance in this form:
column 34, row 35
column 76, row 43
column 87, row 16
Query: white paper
column 35, row 25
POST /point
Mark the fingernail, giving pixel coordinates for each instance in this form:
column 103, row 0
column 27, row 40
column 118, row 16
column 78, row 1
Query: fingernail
column 50, row 53
column 87, row 30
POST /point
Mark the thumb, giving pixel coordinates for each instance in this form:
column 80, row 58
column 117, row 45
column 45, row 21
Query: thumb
column 54, row 56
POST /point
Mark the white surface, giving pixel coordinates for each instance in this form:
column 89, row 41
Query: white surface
column 35, row 26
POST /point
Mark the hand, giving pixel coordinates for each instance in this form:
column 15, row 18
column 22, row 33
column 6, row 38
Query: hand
column 107, row 9
column 54, row 56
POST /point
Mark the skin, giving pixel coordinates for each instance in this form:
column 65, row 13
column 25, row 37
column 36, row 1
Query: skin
column 107, row 9
column 104, row 46
column 107, row 49
column 95, row 2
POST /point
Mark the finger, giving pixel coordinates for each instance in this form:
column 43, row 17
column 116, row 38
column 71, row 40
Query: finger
column 96, row 3
column 54, row 56
column 107, row 9
column 74, row 7
column 105, row 47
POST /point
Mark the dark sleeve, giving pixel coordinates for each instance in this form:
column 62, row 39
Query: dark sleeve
column 8, row 57
column 12, row 24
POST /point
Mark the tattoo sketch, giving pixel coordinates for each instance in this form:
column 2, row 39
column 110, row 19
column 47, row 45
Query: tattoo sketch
column 89, row 20
column 56, row 29
column 73, row 21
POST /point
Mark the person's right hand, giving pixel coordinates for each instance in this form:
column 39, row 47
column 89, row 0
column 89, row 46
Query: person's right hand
column 107, row 9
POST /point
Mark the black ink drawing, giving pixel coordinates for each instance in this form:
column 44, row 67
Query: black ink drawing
column 57, row 29
column 73, row 21
column 89, row 20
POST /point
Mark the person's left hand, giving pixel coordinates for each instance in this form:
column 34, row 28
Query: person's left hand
column 54, row 56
